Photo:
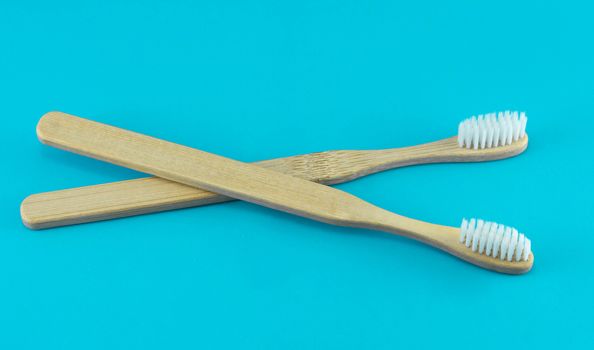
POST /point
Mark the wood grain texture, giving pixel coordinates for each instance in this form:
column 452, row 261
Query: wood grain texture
column 248, row 182
column 153, row 194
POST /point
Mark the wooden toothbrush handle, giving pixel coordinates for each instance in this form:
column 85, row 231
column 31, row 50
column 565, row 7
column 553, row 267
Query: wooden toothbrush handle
column 201, row 169
column 153, row 194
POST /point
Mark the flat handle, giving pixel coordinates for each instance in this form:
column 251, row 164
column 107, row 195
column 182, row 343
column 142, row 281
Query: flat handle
column 152, row 194
column 203, row 170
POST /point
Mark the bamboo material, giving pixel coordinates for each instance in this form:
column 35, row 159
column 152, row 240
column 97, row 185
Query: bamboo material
column 153, row 194
column 249, row 182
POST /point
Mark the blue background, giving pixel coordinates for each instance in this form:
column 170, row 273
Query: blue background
column 261, row 79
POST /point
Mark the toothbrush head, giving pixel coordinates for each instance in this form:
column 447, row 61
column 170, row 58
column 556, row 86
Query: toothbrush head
column 495, row 240
column 492, row 130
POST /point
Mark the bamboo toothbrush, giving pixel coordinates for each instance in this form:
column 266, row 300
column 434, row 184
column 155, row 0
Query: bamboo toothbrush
column 152, row 194
column 488, row 245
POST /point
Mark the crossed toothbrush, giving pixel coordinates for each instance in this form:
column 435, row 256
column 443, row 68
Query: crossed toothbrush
column 187, row 177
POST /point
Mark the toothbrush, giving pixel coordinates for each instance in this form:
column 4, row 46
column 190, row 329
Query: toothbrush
column 479, row 139
column 486, row 244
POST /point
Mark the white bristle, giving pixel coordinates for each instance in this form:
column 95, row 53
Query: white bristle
column 477, row 234
column 469, row 232
column 482, row 131
column 512, row 245
column 526, row 250
column 475, row 132
column 463, row 229
column 516, row 126
column 492, row 130
column 510, row 128
column 496, row 130
column 461, row 131
column 505, row 243
column 520, row 247
column 494, row 240
column 498, row 238
column 523, row 121
column 484, row 236
column 491, row 239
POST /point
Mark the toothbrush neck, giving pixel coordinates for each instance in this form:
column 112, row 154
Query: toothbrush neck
column 439, row 236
